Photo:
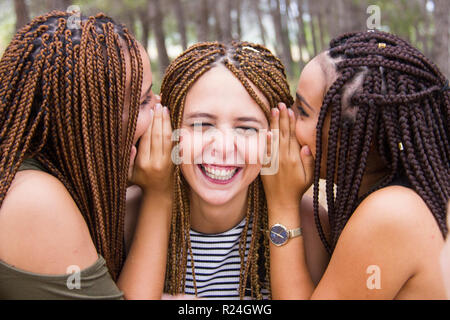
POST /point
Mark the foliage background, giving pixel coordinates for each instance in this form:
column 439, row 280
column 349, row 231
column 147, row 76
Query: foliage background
column 295, row 30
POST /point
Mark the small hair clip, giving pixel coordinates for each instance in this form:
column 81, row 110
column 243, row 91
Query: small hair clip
column 400, row 146
column 381, row 45
column 445, row 87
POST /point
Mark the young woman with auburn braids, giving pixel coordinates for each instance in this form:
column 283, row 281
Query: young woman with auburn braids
column 372, row 118
column 217, row 247
column 74, row 101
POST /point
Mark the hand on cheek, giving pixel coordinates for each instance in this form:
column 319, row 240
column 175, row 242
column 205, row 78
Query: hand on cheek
column 286, row 186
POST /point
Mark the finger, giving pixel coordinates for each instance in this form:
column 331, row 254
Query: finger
column 274, row 119
column 308, row 164
column 167, row 132
column 143, row 152
column 267, row 152
column 284, row 129
column 294, row 147
column 284, row 120
column 157, row 135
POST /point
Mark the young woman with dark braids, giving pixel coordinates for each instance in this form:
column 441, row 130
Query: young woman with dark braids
column 220, row 97
column 372, row 118
column 74, row 101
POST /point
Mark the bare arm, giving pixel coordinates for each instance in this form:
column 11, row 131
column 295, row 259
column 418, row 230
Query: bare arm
column 143, row 274
column 391, row 235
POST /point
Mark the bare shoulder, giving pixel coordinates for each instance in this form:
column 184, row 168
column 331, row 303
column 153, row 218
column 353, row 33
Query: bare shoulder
column 41, row 227
column 399, row 210
column 394, row 231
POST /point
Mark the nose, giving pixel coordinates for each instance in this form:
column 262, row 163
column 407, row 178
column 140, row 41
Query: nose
column 222, row 147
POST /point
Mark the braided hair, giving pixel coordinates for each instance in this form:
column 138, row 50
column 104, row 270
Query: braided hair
column 399, row 109
column 62, row 90
column 249, row 63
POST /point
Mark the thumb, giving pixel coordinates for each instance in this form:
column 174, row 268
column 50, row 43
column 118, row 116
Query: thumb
column 308, row 163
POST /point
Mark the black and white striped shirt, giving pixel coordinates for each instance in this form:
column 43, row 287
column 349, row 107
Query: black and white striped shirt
column 217, row 263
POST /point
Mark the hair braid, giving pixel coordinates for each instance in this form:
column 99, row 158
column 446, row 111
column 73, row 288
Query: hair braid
column 61, row 102
column 400, row 112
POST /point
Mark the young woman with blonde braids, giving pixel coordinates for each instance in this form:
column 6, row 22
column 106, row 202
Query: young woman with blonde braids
column 372, row 118
column 74, row 101
column 219, row 97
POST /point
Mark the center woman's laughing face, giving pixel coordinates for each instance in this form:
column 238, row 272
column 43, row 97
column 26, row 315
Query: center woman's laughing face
column 220, row 138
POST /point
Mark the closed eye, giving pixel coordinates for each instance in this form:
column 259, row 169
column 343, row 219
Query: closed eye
column 146, row 100
column 302, row 111
column 198, row 124
column 246, row 130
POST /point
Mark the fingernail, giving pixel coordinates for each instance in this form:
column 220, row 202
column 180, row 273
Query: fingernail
column 151, row 112
column 274, row 112
column 165, row 110
column 158, row 107
column 291, row 113
column 307, row 150
column 281, row 106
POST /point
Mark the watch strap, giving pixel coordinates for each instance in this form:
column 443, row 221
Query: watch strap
column 295, row 233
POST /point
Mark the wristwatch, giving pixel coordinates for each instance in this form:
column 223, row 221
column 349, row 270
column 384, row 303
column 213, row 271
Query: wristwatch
column 279, row 234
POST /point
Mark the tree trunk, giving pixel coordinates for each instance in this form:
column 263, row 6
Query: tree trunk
column 321, row 26
column 145, row 22
column 313, row 27
column 302, row 45
column 202, row 20
column 425, row 36
column 237, row 23
column 181, row 22
column 158, row 20
column 282, row 37
column 259, row 16
column 22, row 15
column 441, row 36
column 61, row 5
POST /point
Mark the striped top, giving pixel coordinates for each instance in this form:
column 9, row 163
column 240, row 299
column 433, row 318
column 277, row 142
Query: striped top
column 217, row 263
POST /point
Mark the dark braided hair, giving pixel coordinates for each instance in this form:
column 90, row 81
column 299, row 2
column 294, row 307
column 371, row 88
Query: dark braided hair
column 399, row 109
column 62, row 92
column 248, row 62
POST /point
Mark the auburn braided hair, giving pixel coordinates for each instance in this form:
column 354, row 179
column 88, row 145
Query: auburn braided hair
column 62, row 89
column 399, row 108
column 249, row 63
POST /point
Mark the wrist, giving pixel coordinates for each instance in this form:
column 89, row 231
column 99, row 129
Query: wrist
column 284, row 203
column 162, row 196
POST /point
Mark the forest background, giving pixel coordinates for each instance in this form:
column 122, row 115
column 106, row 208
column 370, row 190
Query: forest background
column 295, row 30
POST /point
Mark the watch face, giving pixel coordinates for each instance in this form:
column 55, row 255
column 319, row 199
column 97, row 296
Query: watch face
column 278, row 235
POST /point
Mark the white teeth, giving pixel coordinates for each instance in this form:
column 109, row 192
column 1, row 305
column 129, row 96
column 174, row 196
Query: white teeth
column 219, row 174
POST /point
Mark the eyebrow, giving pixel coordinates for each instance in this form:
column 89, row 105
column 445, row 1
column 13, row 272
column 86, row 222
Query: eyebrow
column 211, row 116
column 148, row 91
column 249, row 119
column 200, row 115
column 299, row 97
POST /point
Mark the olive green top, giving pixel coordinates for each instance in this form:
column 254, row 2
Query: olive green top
column 93, row 282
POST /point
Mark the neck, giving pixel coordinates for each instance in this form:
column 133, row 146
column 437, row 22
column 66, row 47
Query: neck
column 211, row 218
column 375, row 171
